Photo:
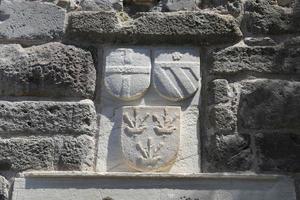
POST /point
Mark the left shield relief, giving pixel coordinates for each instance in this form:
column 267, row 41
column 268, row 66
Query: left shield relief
column 127, row 72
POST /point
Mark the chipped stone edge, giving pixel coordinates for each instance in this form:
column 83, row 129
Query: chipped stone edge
column 88, row 175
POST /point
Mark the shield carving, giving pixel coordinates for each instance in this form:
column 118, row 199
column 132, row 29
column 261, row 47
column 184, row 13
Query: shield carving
column 150, row 137
column 127, row 72
column 176, row 74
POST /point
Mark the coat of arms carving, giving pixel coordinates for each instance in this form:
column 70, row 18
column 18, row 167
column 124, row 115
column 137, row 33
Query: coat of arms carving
column 176, row 73
column 127, row 72
column 150, row 137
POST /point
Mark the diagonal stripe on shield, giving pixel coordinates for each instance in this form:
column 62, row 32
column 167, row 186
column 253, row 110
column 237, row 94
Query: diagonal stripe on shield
column 176, row 80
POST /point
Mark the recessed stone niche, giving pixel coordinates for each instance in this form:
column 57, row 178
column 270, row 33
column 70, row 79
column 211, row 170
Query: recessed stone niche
column 148, row 109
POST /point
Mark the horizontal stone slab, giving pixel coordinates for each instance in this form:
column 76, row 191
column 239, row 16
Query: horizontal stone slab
column 51, row 153
column 29, row 22
column 196, row 28
column 283, row 59
column 47, row 118
column 81, row 186
column 49, row 70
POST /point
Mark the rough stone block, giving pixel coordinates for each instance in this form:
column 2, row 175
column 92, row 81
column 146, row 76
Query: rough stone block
column 229, row 153
column 223, row 119
column 219, row 91
column 47, row 118
column 48, row 153
column 263, row 17
column 30, row 22
column 199, row 28
column 179, row 5
column 244, row 59
column 3, row 188
column 49, row 70
column 256, row 59
column 270, row 105
column 278, row 152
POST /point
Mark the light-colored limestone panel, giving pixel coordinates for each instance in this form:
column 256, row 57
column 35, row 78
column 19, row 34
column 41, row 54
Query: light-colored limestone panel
column 178, row 153
column 110, row 156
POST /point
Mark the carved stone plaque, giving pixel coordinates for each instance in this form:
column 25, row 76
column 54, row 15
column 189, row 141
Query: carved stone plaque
column 150, row 137
column 127, row 72
column 176, row 73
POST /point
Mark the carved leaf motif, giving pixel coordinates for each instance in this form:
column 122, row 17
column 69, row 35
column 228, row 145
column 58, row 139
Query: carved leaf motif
column 165, row 127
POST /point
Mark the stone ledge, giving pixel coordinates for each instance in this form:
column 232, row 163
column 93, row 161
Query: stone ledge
column 167, row 187
column 88, row 174
column 196, row 28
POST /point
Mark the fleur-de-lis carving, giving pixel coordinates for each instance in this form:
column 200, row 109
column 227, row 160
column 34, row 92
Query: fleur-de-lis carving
column 135, row 125
column 150, row 155
column 164, row 125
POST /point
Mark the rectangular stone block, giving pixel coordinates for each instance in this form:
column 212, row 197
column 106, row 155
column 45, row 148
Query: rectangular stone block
column 47, row 118
column 49, row 153
column 229, row 153
column 269, row 105
column 49, row 70
column 153, row 28
column 28, row 22
column 278, row 152
column 256, row 59
column 153, row 187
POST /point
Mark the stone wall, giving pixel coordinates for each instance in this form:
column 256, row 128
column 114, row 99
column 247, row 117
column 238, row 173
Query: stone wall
column 218, row 81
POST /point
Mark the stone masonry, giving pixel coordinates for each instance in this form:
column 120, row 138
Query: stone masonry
column 141, row 87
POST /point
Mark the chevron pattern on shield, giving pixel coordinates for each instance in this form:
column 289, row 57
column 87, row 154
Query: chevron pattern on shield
column 176, row 74
column 127, row 72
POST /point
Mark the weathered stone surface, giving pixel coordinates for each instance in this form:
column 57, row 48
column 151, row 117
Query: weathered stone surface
column 259, row 41
column 176, row 73
column 49, row 70
column 150, row 137
column 3, row 188
column 275, row 59
column 234, row 7
column 223, row 119
column 263, row 17
column 47, row 153
column 47, row 118
column 278, row 152
column 127, row 72
column 30, row 22
column 153, row 28
column 219, row 91
column 179, row 5
column 93, row 186
column 229, row 153
column 94, row 5
column 270, row 105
